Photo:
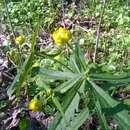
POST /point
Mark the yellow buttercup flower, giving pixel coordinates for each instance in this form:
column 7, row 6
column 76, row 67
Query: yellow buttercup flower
column 20, row 39
column 61, row 36
column 35, row 105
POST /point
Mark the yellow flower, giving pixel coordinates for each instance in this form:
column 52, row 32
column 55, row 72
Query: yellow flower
column 35, row 105
column 61, row 36
column 20, row 39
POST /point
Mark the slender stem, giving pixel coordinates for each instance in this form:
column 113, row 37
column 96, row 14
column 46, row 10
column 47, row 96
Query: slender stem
column 12, row 29
column 55, row 60
column 98, row 31
column 63, row 10
column 71, row 48
column 11, row 26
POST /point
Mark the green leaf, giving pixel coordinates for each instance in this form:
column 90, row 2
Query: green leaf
column 80, row 59
column 80, row 119
column 67, row 85
column 127, row 101
column 59, row 75
column 20, row 77
column 34, row 37
column 24, row 123
column 59, row 107
column 74, row 65
column 3, row 104
column 121, row 115
column 70, row 105
column 41, row 83
column 101, row 116
column 122, row 78
column 23, row 73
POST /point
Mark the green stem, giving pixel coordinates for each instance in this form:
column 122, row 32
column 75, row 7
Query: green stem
column 98, row 30
column 12, row 29
column 55, row 60
column 71, row 48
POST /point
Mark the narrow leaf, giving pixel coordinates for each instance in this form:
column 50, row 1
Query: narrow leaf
column 122, row 78
column 23, row 73
column 20, row 77
column 59, row 107
column 80, row 119
column 67, row 85
column 57, row 74
column 101, row 116
column 80, row 58
column 70, row 105
column 74, row 65
column 121, row 115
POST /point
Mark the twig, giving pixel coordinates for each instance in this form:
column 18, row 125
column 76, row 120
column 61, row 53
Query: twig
column 63, row 12
column 98, row 31
column 8, row 76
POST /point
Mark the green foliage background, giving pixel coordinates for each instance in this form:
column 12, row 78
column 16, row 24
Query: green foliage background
column 73, row 88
